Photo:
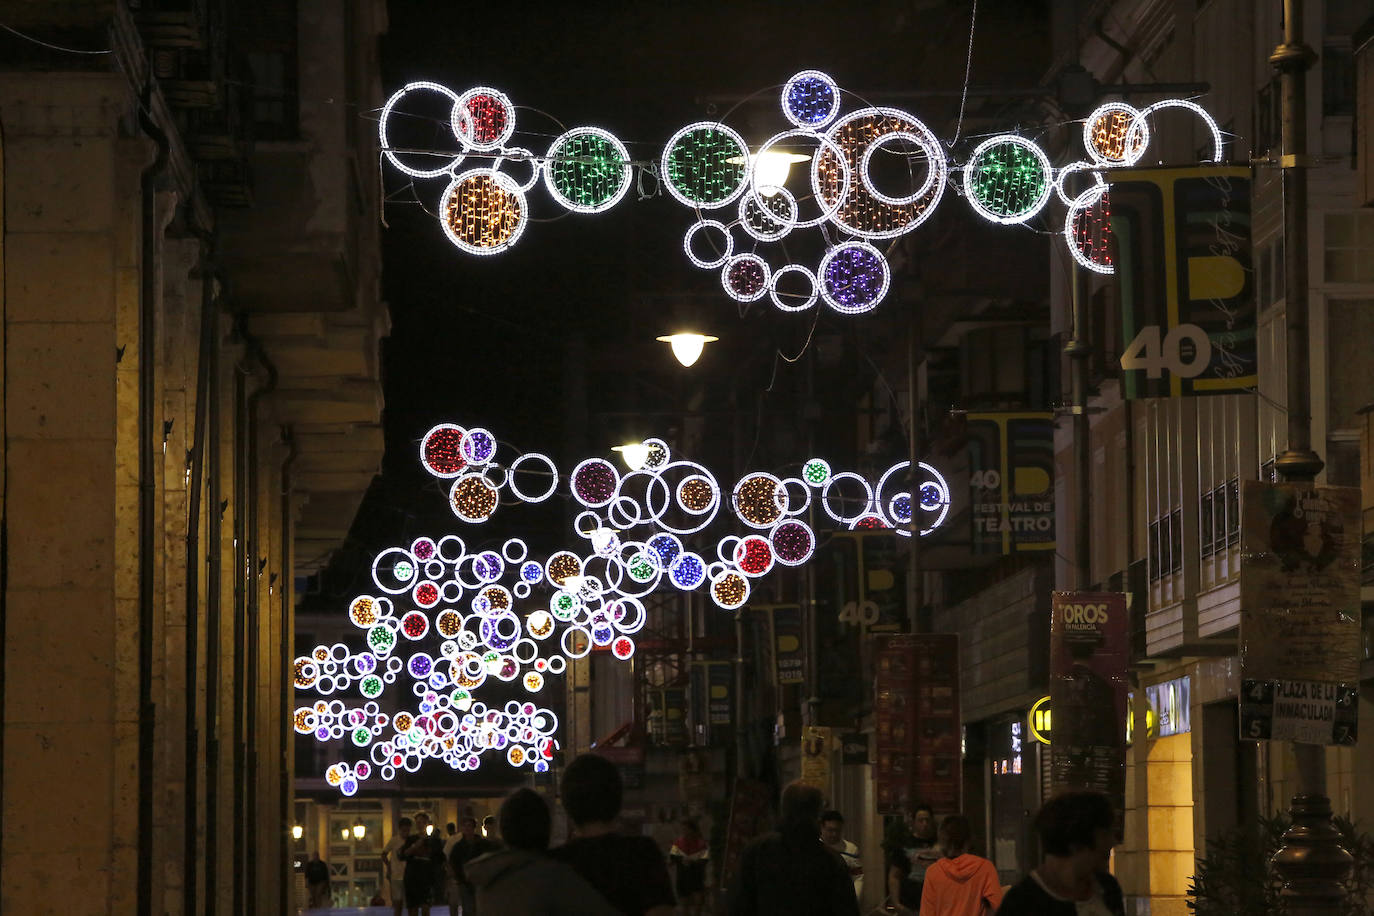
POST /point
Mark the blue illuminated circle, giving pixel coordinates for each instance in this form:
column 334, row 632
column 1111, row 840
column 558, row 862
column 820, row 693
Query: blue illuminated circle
column 687, row 571
column 531, row 572
column 810, row 99
column 901, row 508
column 667, row 547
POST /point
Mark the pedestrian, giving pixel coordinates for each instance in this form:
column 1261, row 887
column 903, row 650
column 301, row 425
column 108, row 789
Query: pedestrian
column 521, row 879
column 317, row 880
column 468, row 847
column 450, row 881
column 423, row 855
column 629, row 871
column 1077, row 833
column 394, row 866
column 689, row 856
column 832, row 835
column 907, row 857
column 490, row 830
column 791, row 872
column 960, row 884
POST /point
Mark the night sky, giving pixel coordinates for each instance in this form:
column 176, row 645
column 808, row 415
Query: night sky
column 481, row 340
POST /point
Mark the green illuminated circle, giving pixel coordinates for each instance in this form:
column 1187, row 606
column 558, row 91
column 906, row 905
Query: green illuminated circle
column 371, row 686
column 362, row 736
column 588, row 170
column 816, row 472
column 697, row 168
column 1007, row 181
column 380, row 637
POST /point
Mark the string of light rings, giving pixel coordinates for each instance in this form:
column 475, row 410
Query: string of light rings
column 446, row 617
column 708, row 166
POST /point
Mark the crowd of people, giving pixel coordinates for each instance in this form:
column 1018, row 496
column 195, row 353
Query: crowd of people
column 806, row 866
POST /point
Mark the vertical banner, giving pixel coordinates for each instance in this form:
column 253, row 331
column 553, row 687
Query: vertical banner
column 916, row 712
column 1011, row 481
column 789, row 660
column 720, row 696
column 1182, row 264
column 1089, row 651
column 1300, row 618
column 815, row 758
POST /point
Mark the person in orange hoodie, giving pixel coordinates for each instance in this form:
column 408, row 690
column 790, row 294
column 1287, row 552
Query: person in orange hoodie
column 960, row 884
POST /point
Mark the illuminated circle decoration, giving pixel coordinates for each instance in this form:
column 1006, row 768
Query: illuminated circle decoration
column 858, row 209
column 595, row 482
column 588, row 170
column 696, row 494
column 441, row 168
column 473, row 498
column 754, row 555
column 483, row 211
column 816, row 471
column 426, row 594
column 306, row 673
column 730, row 590
column 827, row 147
column 854, row 277
column 440, row 451
column 759, row 500
column 696, row 167
column 363, row 611
column 656, row 454
column 623, row 648
column 448, row 623
column 478, row 446
column 483, row 118
column 1218, row 147
column 768, row 217
column 551, row 475
column 1007, row 179
column 414, row 625
column 793, row 303
column 1115, row 134
column 687, row 571
column 1087, row 230
column 562, row 565
column 810, row 99
column 793, row 543
column 539, row 624
column 716, row 226
column 667, row 548
column 745, row 277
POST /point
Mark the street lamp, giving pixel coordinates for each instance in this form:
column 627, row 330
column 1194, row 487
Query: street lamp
column 687, row 347
column 343, row 833
column 359, row 829
column 634, row 454
column 297, row 831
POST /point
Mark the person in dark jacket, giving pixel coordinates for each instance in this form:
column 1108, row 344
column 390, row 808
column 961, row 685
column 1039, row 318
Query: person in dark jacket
column 791, row 872
column 1077, row 833
column 520, row 879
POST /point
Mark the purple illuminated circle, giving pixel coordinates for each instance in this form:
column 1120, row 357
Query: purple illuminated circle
column 792, row 543
column 595, row 482
column 854, row 278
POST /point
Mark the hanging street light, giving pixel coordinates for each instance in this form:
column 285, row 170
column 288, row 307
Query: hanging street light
column 634, row 454
column 359, row 829
column 687, row 347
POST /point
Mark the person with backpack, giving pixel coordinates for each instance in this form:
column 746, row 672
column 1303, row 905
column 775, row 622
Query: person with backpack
column 960, row 883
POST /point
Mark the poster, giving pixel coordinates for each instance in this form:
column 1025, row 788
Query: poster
column 916, row 713
column 1011, row 481
column 1300, row 624
column 789, row 659
column 1182, row 266
column 1088, row 656
column 815, row 758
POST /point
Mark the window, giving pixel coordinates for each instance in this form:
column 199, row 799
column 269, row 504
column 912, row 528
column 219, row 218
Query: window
column 1219, row 518
column 1350, row 328
column 1338, row 79
column 1348, row 246
column 1166, row 545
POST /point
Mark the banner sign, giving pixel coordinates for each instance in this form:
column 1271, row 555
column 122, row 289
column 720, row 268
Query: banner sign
column 789, row 660
column 1089, row 651
column 1300, row 619
column 1011, row 481
column 1182, row 265
column 916, row 712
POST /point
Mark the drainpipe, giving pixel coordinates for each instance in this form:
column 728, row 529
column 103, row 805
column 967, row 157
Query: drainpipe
column 284, row 730
column 237, row 676
column 147, row 494
column 214, row 585
column 253, row 608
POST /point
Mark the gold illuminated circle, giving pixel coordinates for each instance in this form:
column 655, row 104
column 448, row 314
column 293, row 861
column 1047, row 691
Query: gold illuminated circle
column 321, row 654
column 302, row 720
column 497, row 597
column 483, row 212
column 403, row 721
column 730, row 590
column 1112, row 137
column 448, row 623
column 363, row 611
column 756, row 500
column 473, row 498
column 305, row 676
column 562, row 565
column 695, row 494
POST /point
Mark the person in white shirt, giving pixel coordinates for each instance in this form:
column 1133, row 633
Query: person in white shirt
column 832, row 835
column 394, row 866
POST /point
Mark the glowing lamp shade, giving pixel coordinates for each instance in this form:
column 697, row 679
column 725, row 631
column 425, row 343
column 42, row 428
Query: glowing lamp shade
column 687, row 347
column 635, row 454
column 770, row 169
column 359, row 830
column 343, row 833
column 297, row 831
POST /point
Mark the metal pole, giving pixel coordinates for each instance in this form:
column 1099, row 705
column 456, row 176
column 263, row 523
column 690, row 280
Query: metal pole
column 1311, row 862
column 1078, row 350
column 915, row 593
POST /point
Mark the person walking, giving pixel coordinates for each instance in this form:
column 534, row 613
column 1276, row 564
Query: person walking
column 521, row 879
column 468, row 847
column 1077, row 833
column 832, row 835
column 394, row 866
column 791, row 872
column 629, row 871
column 423, row 855
column 689, row 856
column 317, row 880
column 960, row 884
column 907, row 857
